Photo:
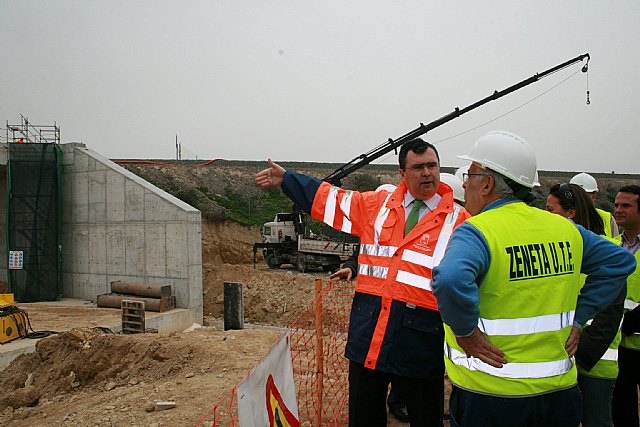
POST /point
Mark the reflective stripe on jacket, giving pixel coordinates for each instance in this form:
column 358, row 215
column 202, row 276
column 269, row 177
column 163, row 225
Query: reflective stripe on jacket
column 607, row 366
column 526, row 302
column 391, row 266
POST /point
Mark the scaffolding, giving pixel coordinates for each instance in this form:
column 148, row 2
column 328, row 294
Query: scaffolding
column 26, row 132
column 33, row 203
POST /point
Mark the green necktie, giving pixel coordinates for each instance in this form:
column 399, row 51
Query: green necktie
column 413, row 217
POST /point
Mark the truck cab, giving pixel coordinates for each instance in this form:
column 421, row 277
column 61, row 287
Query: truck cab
column 281, row 244
column 280, row 230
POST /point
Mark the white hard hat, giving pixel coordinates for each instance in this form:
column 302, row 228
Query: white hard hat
column 536, row 181
column 388, row 187
column 507, row 154
column 460, row 171
column 455, row 183
column 586, row 181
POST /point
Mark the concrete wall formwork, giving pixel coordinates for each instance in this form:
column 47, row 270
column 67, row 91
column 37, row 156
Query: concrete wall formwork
column 117, row 226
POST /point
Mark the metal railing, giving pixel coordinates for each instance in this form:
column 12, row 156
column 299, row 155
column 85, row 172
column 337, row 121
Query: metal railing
column 29, row 133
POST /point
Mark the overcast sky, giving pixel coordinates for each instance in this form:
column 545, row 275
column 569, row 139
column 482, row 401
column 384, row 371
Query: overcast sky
column 324, row 80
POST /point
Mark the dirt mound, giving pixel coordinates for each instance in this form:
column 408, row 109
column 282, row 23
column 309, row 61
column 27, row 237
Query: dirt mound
column 88, row 378
column 80, row 358
column 271, row 297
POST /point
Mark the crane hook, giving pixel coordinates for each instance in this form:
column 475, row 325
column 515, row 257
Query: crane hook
column 585, row 69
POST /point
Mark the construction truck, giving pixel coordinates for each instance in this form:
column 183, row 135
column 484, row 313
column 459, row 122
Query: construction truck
column 289, row 240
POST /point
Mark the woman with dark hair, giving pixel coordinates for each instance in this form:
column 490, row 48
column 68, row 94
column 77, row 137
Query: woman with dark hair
column 597, row 355
column 571, row 201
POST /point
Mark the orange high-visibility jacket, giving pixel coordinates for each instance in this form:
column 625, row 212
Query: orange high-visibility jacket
column 391, row 266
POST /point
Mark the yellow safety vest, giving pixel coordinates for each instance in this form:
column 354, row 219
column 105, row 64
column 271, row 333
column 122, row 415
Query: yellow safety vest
column 607, row 366
column 631, row 302
column 606, row 219
column 527, row 303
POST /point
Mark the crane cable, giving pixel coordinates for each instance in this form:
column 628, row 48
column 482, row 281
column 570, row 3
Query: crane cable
column 508, row 112
column 514, row 109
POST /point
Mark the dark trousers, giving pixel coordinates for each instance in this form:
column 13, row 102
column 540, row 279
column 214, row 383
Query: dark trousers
column 625, row 394
column 560, row 408
column 368, row 393
column 597, row 394
column 394, row 399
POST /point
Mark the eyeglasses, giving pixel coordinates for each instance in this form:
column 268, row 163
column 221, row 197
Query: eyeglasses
column 465, row 176
column 421, row 166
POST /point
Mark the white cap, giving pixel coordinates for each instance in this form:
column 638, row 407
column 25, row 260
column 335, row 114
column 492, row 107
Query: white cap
column 460, row 171
column 507, row 154
column 387, row 187
column 586, row 181
column 455, row 184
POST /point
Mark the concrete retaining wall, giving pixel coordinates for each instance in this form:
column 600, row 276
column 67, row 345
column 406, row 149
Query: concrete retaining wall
column 117, row 226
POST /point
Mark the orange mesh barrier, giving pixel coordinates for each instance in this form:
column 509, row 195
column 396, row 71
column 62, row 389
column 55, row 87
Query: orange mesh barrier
column 320, row 370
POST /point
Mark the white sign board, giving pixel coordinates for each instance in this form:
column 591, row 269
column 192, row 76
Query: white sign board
column 267, row 397
column 16, row 260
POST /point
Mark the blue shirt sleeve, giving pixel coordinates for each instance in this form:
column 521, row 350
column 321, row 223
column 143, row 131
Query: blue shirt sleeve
column 455, row 280
column 607, row 266
column 301, row 189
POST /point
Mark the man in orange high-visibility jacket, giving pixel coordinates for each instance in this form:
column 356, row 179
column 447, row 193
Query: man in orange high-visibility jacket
column 395, row 329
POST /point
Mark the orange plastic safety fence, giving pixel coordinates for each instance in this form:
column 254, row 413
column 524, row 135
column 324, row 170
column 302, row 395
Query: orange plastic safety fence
column 224, row 413
column 320, row 370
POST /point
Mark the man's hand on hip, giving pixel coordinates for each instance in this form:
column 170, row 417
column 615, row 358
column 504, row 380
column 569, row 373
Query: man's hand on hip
column 571, row 346
column 477, row 345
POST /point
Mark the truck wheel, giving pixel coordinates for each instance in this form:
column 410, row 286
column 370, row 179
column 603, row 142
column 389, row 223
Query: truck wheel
column 301, row 263
column 272, row 261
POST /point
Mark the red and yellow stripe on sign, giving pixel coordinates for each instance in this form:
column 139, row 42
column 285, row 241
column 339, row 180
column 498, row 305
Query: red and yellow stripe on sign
column 279, row 414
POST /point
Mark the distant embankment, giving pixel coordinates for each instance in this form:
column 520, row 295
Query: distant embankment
column 225, row 189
